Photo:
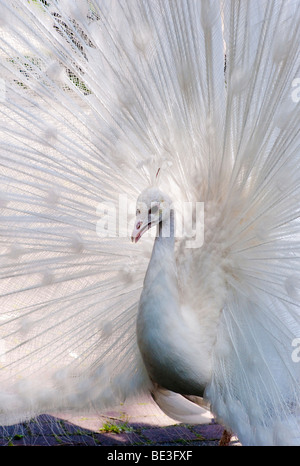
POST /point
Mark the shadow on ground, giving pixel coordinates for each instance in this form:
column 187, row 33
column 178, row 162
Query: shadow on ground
column 135, row 424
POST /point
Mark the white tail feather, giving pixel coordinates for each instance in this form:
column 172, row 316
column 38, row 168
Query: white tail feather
column 180, row 408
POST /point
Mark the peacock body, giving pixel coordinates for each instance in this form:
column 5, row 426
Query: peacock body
column 108, row 109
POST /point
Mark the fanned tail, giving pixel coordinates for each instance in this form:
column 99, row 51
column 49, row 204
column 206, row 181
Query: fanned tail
column 255, row 387
column 68, row 297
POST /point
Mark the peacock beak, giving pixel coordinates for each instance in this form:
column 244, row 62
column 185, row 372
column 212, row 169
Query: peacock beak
column 137, row 231
column 139, row 228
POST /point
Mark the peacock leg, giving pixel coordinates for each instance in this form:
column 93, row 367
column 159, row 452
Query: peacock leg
column 225, row 439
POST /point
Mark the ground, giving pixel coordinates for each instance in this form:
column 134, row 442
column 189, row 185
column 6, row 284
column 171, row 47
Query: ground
column 131, row 424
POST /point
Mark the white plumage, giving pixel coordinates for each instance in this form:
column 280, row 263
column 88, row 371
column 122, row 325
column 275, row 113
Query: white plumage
column 190, row 103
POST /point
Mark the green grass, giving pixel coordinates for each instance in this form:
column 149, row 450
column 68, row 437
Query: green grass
column 116, row 428
column 57, row 438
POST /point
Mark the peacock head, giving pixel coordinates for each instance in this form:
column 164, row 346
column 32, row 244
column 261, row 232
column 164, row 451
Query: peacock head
column 152, row 208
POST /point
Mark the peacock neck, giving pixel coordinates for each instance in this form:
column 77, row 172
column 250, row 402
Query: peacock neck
column 162, row 259
column 163, row 249
column 165, row 237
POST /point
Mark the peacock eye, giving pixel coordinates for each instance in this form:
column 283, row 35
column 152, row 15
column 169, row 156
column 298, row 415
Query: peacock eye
column 153, row 210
